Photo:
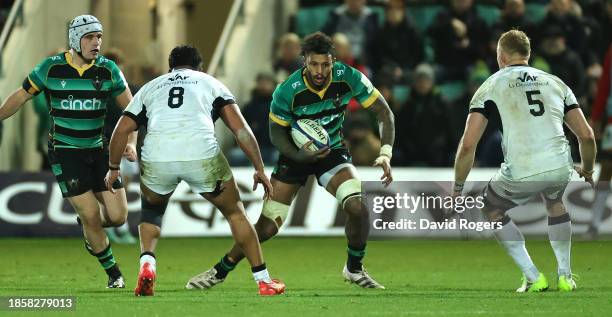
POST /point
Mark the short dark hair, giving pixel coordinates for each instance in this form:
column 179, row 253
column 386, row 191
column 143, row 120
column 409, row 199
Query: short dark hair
column 318, row 43
column 185, row 55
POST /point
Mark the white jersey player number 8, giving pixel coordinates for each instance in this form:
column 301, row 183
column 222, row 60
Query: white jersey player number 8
column 175, row 97
column 178, row 108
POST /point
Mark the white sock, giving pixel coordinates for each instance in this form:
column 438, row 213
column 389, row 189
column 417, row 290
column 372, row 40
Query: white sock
column 148, row 259
column 262, row 275
column 513, row 241
column 560, row 236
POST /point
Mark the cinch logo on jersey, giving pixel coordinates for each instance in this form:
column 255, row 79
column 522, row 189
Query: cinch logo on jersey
column 80, row 104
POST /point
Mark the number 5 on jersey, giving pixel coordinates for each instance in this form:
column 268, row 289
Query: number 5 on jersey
column 531, row 101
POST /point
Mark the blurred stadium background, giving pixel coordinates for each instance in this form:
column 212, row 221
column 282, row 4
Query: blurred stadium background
column 426, row 56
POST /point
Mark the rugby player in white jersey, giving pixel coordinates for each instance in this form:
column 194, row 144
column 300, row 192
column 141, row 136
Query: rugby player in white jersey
column 179, row 109
column 533, row 106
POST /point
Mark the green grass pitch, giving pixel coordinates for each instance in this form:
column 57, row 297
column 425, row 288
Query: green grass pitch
column 423, row 278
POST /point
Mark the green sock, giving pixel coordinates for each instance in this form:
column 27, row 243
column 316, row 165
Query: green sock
column 224, row 267
column 108, row 262
column 355, row 255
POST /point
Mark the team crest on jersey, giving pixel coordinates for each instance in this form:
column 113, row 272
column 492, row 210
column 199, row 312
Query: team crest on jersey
column 337, row 101
column 73, row 183
column 526, row 77
column 97, row 83
column 63, row 83
column 178, row 77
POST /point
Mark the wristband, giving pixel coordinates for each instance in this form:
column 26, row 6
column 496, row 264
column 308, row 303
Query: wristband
column 386, row 150
column 113, row 167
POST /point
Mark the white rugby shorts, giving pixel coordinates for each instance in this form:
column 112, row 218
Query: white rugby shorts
column 203, row 176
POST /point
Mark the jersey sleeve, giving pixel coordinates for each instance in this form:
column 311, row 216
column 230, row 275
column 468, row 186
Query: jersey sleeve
column 362, row 88
column 223, row 96
column 481, row 101
column 35, row 82
column 280, row 108
column 569, row 99
column 119, row 82
column 136, row 109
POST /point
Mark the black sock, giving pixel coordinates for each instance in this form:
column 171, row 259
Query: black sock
column 355, row 255
column 224, row 267
column 107, row 260
column 259, row 268
column 113, row 271
column 148, row 253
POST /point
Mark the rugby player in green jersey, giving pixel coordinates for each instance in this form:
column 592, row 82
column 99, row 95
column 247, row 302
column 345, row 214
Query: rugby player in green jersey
column 78, row 84
column 319, row 91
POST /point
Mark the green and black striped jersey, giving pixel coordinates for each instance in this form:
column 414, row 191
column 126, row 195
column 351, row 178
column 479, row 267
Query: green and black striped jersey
column 295, row 99
column 76, row 98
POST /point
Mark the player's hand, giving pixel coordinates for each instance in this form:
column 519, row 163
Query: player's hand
column 260, row 178
column 384, row 162
column 130, row 153
column 456, row 191
column 111, row 177
column 587, row 175
column 304, row 155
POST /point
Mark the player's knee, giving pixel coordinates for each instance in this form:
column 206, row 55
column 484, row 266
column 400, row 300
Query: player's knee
column 348, row 195
column 353, row 206
column 90, row 217
column 117, row 220
column 493, row 214
column 266, row 229
column 276, row 212
column 152, row 213
column 555, row 208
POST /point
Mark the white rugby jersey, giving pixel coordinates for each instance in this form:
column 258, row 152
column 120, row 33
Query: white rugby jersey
column 178, row 110
column 532, row 105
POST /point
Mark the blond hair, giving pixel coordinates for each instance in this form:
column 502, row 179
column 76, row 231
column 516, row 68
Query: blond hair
column 289, row 38
column 515, row 42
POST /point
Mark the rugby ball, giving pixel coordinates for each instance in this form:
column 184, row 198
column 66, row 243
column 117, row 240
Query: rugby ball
column 305, row 130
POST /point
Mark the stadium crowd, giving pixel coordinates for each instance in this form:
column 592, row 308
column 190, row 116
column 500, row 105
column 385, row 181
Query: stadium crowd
column 428, row 57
